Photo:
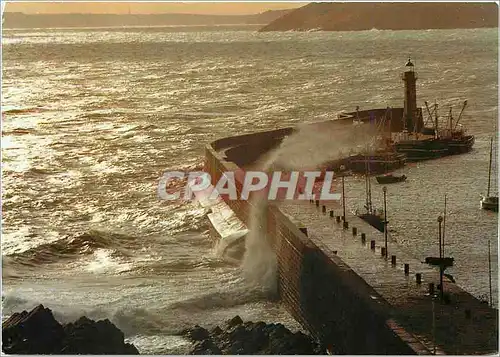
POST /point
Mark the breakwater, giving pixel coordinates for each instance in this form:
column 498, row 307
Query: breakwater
column 339, row 303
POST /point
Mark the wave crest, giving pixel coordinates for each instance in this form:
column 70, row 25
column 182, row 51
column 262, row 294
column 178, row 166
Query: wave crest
column 70, row 247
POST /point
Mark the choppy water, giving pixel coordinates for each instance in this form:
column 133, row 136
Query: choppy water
column 91, row 119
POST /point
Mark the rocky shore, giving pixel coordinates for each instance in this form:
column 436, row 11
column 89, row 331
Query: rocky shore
column 38, row 332
column 248, row 338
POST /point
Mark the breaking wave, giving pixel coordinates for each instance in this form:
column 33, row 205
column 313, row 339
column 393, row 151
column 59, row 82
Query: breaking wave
column 71, row 247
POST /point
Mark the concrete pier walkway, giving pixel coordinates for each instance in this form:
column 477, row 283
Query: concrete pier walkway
column 459, row 325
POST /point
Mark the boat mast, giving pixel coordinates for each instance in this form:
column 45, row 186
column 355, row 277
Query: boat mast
column 451, row 120
column 489, row 169
column 460, row 115
column 436, row 119
column 369, row 193
column 368, row 186
column 444, row 221
column 429, row 117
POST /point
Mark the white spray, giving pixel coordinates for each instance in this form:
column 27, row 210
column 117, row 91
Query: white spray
column 306, row 149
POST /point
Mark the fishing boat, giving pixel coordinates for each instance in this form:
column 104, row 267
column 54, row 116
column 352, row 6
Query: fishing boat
column 390, row 178
column 488, row 202
column 433, row 142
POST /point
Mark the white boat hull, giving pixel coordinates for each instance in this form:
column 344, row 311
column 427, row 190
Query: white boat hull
column 489, row 203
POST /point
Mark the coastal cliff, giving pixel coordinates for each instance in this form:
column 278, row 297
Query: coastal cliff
column 386, row 16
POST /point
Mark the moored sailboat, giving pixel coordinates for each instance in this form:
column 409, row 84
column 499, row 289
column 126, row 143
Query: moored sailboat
column 490, row 202
column 373, row 217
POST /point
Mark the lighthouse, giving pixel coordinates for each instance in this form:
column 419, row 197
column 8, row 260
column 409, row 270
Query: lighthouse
column 410, row 113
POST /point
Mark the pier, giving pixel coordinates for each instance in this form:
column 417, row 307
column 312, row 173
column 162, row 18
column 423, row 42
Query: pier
column 335, row 281
column 459, row 325
column 342, row 279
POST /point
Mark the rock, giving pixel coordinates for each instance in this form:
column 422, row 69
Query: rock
column 205, row 347
column 256, row 339
column 217, row 331
column 253, row 338
column 37, row 332
column 86, row 336
column 198, row 333
column 235, row 321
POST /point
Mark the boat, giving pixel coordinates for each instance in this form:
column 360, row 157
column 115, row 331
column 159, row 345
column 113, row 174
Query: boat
column 428, row 148
column 373, row 217
column 390, row 178
column 431, row 143
column 379, row 154
column 442, row 261
column 445, row 261
column 380, row 161
column 488, row 202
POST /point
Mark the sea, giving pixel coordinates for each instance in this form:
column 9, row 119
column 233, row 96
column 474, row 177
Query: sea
column 92, row 118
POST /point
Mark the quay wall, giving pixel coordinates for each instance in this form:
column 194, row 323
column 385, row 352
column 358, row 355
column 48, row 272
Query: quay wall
column 321, row 292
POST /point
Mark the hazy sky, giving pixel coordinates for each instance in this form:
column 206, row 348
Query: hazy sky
column 143, row 7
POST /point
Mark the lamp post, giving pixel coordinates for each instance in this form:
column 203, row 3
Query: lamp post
column 433, row 327
column 440, row 220
column 385, row 219
column 342, row 168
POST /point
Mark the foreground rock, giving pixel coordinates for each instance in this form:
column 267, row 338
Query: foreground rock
column 246, row 338
column 38, row 332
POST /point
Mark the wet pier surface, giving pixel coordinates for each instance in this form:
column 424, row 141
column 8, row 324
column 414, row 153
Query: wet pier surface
column 461, row 324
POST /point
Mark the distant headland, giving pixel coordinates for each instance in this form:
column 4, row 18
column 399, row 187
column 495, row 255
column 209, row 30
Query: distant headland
column 386, row 16
column 20, row 20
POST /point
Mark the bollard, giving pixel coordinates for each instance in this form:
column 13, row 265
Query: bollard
column 324, row 209
column 317, row 203
column 407, row 269
column 331, row 214
column 338, row 219
column 372, row 245
column 304, row 230
column 393, row 259
column 418, row 277
column 383, row 252
column 431, row 288
column 363, row 238
column 354, row 231
column 346, row 225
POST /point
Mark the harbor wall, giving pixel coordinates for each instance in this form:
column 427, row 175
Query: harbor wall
column 321, row 292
